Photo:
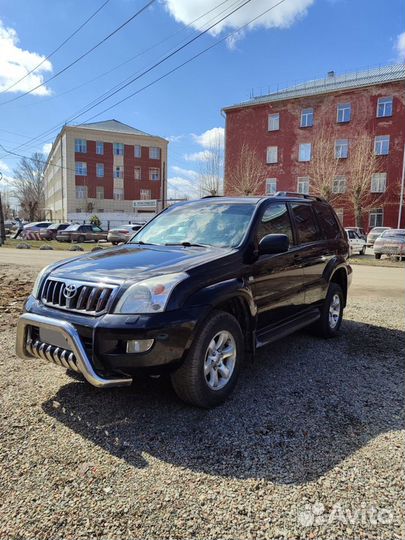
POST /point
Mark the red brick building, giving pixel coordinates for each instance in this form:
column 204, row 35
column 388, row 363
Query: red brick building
column 281, row 128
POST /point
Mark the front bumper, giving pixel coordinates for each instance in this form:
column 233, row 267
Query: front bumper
column 96, row 345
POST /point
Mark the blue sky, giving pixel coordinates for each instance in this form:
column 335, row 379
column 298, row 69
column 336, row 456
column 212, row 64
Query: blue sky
column 296, row 41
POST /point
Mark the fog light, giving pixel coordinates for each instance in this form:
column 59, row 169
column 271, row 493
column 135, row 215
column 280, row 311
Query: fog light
column 139, row 345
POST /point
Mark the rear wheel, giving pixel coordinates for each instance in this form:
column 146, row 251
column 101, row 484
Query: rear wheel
column 328, row 325
column 210, row 371
column 377, row 255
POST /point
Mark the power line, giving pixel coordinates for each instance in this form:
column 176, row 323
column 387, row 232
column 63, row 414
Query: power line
column 82, row 55
column 58, row 48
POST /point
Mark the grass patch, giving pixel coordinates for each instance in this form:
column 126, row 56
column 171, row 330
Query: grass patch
column 370, row 260
column 60, row 246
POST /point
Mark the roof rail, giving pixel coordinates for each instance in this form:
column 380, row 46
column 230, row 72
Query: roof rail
column 210, row 196
column 296, row 194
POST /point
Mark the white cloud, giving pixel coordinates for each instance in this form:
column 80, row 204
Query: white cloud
column 15, row 62
column 179, row 187
column 211, row 137
column 4, row 168
column 203, row 155
column 188, row 173
column 46, row 148
column 281, row 16
column 400, row 47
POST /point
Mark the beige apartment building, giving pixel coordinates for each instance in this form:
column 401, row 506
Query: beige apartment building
column 105, row 168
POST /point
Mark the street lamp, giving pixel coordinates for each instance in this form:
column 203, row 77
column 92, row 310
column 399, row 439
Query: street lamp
column 2, row 228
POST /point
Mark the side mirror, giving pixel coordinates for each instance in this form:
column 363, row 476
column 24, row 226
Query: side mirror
column 273, row 243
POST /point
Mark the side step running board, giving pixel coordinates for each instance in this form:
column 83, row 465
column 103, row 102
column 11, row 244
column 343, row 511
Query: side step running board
column 279, row 332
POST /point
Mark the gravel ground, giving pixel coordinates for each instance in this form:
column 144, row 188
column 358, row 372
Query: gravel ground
column 309, row 446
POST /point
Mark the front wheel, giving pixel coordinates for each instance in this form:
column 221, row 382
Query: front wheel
column 377, row 255
column 81, row 239
column 328, row 325
column 210, row 371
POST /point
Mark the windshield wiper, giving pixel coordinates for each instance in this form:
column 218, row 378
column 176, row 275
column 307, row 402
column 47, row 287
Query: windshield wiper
column 142, row 243
column 185, row 244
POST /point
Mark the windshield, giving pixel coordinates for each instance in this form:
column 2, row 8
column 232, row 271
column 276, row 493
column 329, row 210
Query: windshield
column 219, row 225
column 72, row 228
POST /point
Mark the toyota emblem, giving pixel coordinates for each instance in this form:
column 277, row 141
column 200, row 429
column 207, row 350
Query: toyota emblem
column 69, row 291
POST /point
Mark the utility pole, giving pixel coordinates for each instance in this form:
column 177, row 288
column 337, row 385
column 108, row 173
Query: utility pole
column 2, row 228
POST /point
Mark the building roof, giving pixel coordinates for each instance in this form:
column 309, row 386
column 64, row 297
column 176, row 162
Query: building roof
column 115, row 126
column 331, row 83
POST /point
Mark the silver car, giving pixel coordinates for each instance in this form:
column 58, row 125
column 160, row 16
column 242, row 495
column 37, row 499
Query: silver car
column 391, row 242
column 375, row 233
column 123, row 233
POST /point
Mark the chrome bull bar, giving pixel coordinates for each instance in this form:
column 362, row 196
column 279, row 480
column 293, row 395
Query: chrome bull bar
column 75, row 357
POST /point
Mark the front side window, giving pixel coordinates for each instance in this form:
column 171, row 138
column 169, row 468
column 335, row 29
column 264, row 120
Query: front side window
column 137, row 151
column 339, row 184
column 137, row 173
column 344, row 112
column 341, row 148
column 378, row 182
column 376, row 218
column 272, row 154
column 305, row 223
column 81, row 168
column 154, row 152
column 307, row 118
column 118, row 194
column 99, row 148
column 271, row 186
column 384, row 107
column 303, row 185
column 81, row 146
column 327, row 221
column 215, row 224
column 100, row 170
column 154, row 174
column 274, row 122
column 305, row 152
column 275, row 220
column 382, row 145
column 81, row 192
column 118, row 149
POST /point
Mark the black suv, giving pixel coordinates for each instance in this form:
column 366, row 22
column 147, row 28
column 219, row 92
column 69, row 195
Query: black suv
column 194, row 292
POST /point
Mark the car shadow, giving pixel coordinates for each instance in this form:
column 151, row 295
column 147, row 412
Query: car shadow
column 303, row 406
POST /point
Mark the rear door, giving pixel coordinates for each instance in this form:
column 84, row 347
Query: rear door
column 277, row 282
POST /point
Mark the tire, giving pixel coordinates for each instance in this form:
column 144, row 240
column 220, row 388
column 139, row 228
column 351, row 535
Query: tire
column 81, row 239
column 363, row 250
column 194, row 380
column 328, row 326
column 377, row 255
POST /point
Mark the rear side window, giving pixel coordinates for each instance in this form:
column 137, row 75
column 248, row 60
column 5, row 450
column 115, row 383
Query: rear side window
column 305, row 223
column 275, row 220
column 327, row 221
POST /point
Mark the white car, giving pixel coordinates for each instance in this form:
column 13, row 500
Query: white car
column 357, row 244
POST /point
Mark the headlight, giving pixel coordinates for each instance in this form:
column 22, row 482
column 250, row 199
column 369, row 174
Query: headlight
column 38, row 281
column 150, row 295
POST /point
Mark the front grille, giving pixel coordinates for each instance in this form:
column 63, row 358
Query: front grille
column 81, row 297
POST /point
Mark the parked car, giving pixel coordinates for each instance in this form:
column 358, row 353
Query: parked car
column 123, row 233
column 391, row 242
column 32, row 230
column 196, row 291
column 9, row 226
column 360, row 232
column 50, row 232
column 81, row 233
column 374, row 233
column 357, row 244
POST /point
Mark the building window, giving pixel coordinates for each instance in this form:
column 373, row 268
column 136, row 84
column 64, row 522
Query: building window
column 376, row 218
column 271, row 186
column 118, row 149
column 118, row 194
column 100, row 170
column 81, row 146
column 274, row 122
column 382, row 145
column 81, row 192
column 305, row 152
column 344, row 112
column 99, row 192
column 81, row 168
column 145, row 194
column 119, row 172
column 339, row 184
column 272, row 154
column 303, row 185
column 154, row 174
column 100, row 210
column 154, row 152
column 378, row 182
column 99, row 148
column 339, row 213
column 137, row 173
column 307, row 118
column 384, row 107
column 341, row 148
column 137, row 151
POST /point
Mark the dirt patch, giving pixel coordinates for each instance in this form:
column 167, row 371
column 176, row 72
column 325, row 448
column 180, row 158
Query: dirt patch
column 14, row 289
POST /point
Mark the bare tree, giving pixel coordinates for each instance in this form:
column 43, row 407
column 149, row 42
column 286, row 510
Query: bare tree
column 28, row 186
column 324, row 167
column 211, row 165
column 246, row 176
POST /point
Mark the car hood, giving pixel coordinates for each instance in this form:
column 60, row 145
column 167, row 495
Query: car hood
column 135, row 262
